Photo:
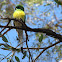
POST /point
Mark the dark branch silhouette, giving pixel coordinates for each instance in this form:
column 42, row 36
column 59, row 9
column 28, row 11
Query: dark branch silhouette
column 26, row 28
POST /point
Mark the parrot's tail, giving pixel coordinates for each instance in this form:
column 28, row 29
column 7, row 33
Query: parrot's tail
column 20, row 35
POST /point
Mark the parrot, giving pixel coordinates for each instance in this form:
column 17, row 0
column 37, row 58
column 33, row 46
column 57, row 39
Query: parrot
column 19, row 14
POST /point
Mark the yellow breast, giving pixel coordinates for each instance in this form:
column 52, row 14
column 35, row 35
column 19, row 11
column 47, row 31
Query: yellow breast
column 19, row 14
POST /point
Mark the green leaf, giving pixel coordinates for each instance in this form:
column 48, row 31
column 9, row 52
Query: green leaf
column 59, row 2
column 61, row 20
column 17, row 59
column 24, row 55
column 4, row 39
column 9, row 60
column 41, row 38
column 4, row 48
column 47, row 4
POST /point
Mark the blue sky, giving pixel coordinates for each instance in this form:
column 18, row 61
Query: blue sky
column 11, row 35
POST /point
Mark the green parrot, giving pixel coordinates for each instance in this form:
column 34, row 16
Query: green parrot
column 19, row 14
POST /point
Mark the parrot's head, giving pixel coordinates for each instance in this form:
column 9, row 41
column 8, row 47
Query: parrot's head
column 20, row 7
column 19, row 12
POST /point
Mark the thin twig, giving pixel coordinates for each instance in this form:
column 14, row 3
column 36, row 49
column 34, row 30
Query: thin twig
column 20, row 43
column 6, row 25
column 6, row 56
column 46, row 49
column 27, row 46
column 34, row 48
column 4, row 33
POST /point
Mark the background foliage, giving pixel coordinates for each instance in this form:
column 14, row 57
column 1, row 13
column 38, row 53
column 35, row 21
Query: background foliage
column 39, row 14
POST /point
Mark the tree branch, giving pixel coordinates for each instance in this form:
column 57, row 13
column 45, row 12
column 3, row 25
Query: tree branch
column 26, row 28
column 46, row 49
column 42, row 30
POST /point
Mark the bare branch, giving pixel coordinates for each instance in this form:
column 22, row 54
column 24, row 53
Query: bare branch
column 25, row 27
column 46, row 49
column 33, row 48
column 27, row 46
column 42, row 30
column 6, row 25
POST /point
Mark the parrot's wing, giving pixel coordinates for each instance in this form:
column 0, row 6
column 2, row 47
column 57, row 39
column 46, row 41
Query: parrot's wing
column 25, row 18
column 14, row 23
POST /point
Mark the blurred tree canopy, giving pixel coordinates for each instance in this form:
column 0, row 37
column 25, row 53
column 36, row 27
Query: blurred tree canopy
column 39, row 14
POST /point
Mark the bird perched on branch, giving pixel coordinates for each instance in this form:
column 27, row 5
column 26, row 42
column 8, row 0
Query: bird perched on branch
column 19, row 14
